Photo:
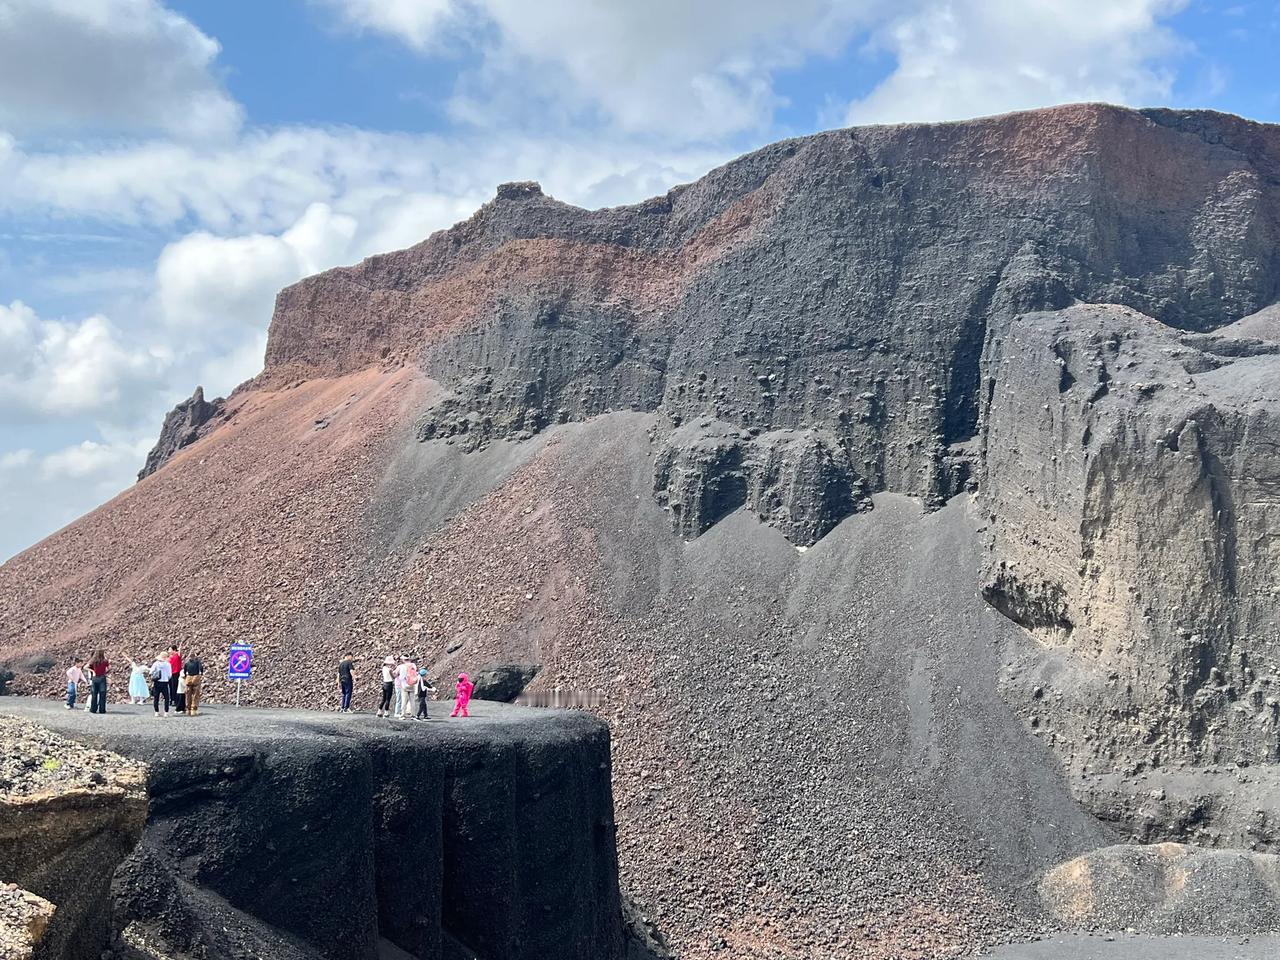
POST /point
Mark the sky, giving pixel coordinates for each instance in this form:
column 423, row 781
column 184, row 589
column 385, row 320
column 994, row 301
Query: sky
column 167, row 167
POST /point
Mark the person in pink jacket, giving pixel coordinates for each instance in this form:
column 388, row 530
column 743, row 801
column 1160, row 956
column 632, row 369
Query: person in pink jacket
column 465, row 686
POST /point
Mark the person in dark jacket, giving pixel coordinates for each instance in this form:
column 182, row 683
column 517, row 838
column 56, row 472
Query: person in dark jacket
column 424, row 691
column 194, row 671
column 345, row 682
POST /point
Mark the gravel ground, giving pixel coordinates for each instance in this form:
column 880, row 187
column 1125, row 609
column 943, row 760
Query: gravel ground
column 810, row 753
column 1128, row 947
column 36, row 761
column 23, row 917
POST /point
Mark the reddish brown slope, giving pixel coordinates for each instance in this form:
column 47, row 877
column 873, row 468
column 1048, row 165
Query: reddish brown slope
column 235, row 538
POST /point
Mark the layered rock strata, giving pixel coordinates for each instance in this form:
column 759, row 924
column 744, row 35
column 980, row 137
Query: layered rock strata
column 842, row 283
column 68, row 816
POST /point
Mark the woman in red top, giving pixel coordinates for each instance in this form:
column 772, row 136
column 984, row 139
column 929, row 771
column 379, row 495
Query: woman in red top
column 98, row 668
column 175, row 664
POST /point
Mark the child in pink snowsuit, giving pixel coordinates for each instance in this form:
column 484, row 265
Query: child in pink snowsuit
column 465, row 686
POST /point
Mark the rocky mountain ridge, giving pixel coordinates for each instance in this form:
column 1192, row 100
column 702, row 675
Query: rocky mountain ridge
column 664, row 453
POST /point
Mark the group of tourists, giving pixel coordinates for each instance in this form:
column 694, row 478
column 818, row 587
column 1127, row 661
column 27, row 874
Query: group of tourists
column 175, row 682
column 404, row 686
column 169, row 678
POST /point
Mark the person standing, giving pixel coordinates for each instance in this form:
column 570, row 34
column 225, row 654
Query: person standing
column 175, row 672
column 99, row 667
column 409, row 684
column 345, row 682
column 398, row 679
column 388, row 685
column 425, row 689
column 75, row 676
column 194, row 671
column 161, row 678
column 138, row 691
column 465, row 687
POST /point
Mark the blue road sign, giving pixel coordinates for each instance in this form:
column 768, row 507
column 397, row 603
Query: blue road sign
column 240, row 663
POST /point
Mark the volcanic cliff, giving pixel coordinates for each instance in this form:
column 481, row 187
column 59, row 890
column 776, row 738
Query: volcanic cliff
column 910, row 495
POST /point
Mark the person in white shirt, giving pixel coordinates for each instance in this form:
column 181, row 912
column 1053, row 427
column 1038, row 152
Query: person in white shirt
column 74, row 676
column 161, row 672
column 388, row 685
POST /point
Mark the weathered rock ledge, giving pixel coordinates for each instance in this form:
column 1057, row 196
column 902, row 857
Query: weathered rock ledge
column 290, row 835
column 68, row 816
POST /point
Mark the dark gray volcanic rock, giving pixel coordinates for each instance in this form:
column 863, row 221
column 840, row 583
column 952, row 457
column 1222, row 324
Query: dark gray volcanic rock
column 503, row 682
column 844, row 281
column 1132, row 480
column 323, row 831
column 183, row 425
column 799, row 481
column 813, row 756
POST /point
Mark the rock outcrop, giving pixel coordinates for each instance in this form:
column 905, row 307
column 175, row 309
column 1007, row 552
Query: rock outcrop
column 68, row 816
column 466, row 446
column 843, row 282
column 799, row 481
column 1131, row 475
column 1168, row 889
column 296, row 835
column 183, row 425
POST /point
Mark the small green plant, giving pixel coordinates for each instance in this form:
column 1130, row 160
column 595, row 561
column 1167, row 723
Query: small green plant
column 52, row 764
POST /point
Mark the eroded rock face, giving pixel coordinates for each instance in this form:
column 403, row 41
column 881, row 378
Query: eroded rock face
column 183, row 425
column 842, row 283
column 798, row 481
column 284, row 835
column 1131, row 477
column 68, row 816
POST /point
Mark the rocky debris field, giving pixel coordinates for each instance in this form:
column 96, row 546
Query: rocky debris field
column 35, row 761
column 1124, row 946
column 23, row 919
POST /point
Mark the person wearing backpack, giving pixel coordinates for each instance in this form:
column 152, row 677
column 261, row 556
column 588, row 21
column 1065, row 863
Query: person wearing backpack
column 425, row 689
column 408, row 677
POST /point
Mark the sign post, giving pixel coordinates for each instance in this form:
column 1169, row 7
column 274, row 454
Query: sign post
column 240, row 666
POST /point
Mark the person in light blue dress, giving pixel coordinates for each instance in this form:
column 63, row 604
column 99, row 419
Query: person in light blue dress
column 138, row 692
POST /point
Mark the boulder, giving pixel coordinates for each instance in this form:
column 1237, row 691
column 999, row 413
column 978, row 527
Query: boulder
column 503, row 682
column 1166, row 889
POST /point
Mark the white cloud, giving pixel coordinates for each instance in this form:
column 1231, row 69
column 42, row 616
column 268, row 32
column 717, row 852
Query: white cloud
column 681, row 70
column 965, row 58
column 108, row 66
column 54, row 368
column 417, row 22
column 90, row 459
column 39, row 494
column 16, row 459
column 265, row 181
